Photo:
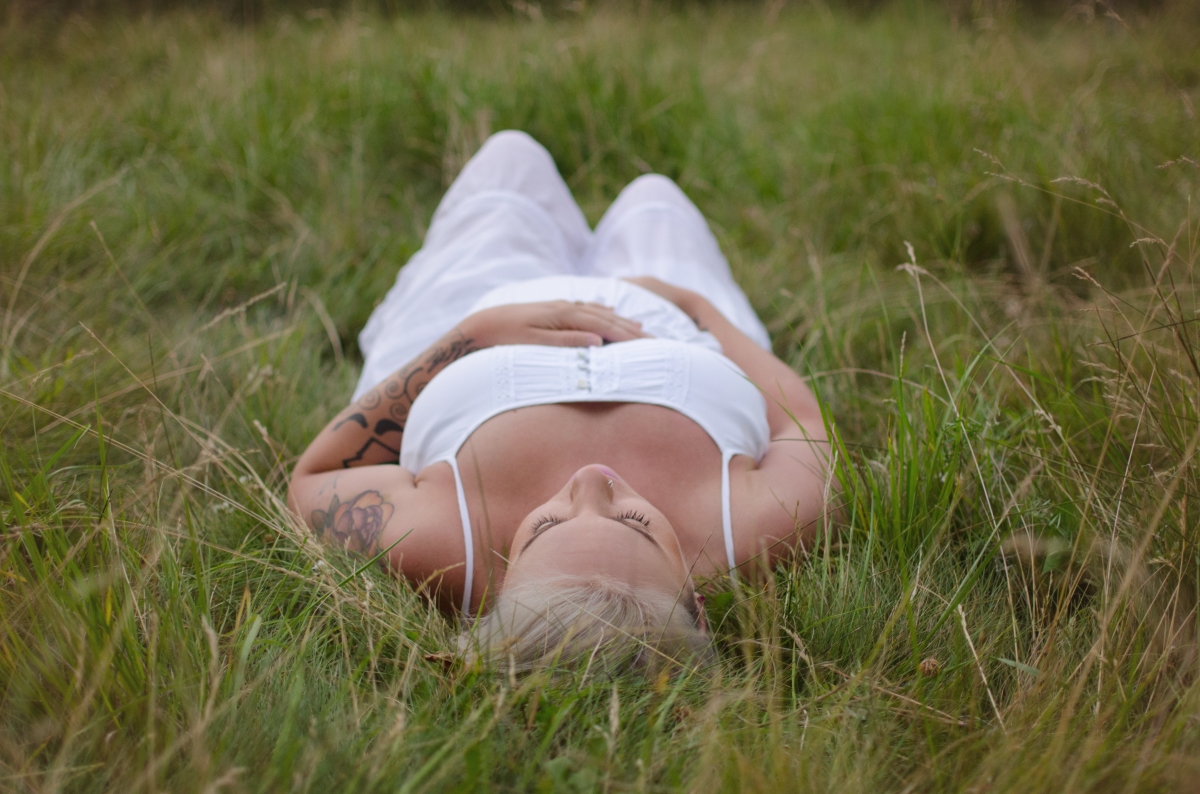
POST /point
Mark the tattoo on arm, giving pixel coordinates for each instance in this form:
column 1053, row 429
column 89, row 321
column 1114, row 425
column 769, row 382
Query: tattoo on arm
column 403, row 387
column 400, row 391
column 357, row 419
column 387, row 426
column 355, row 524
column 348, row 463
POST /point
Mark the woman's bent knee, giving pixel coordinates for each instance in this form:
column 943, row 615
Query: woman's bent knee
column 653, row 188
column 514, row 147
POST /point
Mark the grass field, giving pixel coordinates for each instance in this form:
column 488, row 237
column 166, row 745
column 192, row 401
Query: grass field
column 975, row 234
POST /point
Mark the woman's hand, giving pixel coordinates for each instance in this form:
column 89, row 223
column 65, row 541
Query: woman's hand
column 554, row 323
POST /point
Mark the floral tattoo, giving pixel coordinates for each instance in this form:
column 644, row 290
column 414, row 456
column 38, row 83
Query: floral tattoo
column 356, row 524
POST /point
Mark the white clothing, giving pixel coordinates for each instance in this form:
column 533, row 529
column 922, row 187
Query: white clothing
column 659, row 317
column 692, row 379
column 508, row 231
column 509, row 217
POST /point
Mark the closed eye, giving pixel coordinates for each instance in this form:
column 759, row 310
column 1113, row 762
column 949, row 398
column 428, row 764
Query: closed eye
column 634, row 515
column 540, row 526
column 632, row 519
column 544, row 522
column 638, row 523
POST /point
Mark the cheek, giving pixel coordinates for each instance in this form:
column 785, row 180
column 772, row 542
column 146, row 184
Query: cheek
column 518, row 542
column 521, row 537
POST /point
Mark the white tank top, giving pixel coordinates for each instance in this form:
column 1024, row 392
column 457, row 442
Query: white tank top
column 686, row 375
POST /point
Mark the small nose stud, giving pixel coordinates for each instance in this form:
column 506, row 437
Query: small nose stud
column 610, row 485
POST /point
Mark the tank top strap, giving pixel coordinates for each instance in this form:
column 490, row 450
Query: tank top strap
column 727, row 512
column 468, row 536
column 697, row 382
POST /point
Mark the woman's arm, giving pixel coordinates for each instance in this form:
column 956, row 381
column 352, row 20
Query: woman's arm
column 790, row 403
column 369, row 431
column 779, row 504
column 345, row 485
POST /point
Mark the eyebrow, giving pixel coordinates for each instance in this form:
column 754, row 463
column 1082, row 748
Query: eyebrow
column 640, row 530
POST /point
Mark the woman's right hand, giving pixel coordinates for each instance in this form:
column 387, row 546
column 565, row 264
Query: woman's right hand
column 554, row 323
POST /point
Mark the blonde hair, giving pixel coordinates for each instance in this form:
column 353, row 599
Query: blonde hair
column 597, row 624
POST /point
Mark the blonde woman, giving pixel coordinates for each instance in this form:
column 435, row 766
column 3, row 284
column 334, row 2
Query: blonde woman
column 556, row 429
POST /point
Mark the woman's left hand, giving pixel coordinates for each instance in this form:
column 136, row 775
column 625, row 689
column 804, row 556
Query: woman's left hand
column 555, row 323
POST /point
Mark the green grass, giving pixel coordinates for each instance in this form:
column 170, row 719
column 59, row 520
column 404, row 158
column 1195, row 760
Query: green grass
column 196, row 220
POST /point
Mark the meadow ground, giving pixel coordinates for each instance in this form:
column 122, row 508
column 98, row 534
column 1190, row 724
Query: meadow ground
column 975, row 235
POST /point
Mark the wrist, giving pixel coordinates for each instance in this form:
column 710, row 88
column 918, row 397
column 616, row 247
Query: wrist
column 698, row 308
column 473, row 331
column 692, row 303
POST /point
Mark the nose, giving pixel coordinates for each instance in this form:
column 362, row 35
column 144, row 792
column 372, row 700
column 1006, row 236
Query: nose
column 592, row 487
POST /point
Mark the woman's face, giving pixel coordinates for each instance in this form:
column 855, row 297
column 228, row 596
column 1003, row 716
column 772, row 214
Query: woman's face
column 597, row 525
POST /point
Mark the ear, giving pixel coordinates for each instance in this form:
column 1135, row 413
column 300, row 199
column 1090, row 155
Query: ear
column 701, row 615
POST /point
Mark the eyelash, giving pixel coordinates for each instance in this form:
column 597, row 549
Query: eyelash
column 634, row 515
column 542, row 522
column 631, row 515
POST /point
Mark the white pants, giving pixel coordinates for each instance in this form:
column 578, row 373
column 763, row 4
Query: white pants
column 510, row 217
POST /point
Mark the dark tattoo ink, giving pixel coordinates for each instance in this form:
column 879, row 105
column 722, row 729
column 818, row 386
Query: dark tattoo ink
column 355, row 524
column 357, row 419
column 400, row 391
column 450, row 353
column 438, row 359
column 388, row 426
column 412, row 385
column 358, row 456
column 408, row 383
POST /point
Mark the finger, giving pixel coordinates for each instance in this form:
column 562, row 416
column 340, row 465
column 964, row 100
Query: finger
column 612, row 327
column 597, row 309
column 614, row 320
column 563, row 309
column 590, row 316
column 628, row 330
column 595, row 318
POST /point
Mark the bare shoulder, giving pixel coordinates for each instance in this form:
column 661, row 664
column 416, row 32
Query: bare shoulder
column 777, row 505
column 409, row 521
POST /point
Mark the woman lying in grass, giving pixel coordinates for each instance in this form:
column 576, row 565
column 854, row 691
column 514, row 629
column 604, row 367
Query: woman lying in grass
column 583, row 422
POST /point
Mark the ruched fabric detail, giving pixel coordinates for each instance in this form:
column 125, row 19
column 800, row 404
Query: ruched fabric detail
column 703, row 385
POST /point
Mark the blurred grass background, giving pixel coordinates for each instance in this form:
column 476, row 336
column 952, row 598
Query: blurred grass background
column 970, row 224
